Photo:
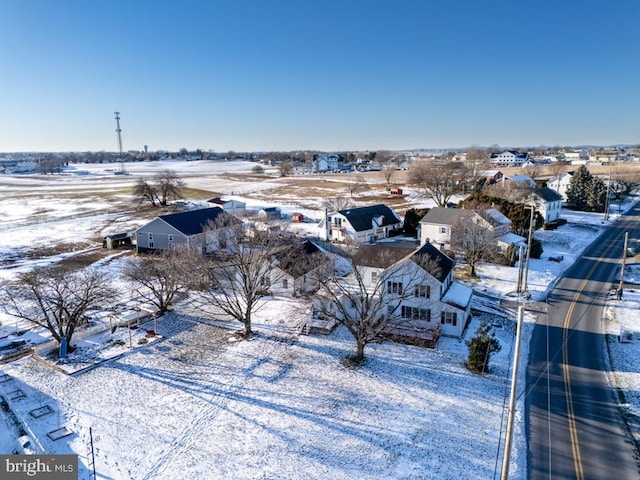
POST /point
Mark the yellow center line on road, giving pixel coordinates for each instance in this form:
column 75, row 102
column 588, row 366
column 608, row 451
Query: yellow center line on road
column 573, row 432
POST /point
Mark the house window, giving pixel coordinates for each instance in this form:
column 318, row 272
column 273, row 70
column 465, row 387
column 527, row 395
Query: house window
column 150, row 244
column 285, row 283
column 374, row 277
column 394, row 287
column 150, row 236
column 170, row 238
column 449, row 318
column 171, row 246
column 415, row 313
column 443, row 229
column 423, row 291
column 265, row 282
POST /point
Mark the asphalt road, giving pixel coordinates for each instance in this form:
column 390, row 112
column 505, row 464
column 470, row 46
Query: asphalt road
column 574, row 426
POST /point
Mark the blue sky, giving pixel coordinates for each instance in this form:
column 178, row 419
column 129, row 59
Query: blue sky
column 250, row 75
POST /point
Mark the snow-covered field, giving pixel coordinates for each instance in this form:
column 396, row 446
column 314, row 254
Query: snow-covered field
column 195, row 404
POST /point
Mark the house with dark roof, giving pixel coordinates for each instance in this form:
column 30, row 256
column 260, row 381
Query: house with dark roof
column 298, row 269
column 547, row 202
column 204, row 229
column 420, row 298
column 508, row 158
column 361, row 225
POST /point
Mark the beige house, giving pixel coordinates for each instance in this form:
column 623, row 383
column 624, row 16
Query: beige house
column 437, row 225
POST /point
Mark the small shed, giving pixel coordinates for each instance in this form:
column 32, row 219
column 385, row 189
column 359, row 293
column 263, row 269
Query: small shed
column 117, row 240
column 395, row 191
column 297, row 217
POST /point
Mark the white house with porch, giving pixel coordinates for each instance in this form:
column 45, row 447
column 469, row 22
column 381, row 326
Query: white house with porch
column 414, row 289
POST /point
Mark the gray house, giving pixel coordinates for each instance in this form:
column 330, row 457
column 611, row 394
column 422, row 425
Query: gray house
column 191, row 228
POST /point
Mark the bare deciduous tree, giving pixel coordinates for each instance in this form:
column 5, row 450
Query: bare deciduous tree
column 388, row 170
column 237, row 279
column 366, row 303
column 56, row 298
column 286, row 168
column 473, row 238
column 169, row 186
column 532, row 171
column 161, row 277
column 336, row 204
column 165, row 187
column 146, row 192
column 437, row 181
column 358, row 186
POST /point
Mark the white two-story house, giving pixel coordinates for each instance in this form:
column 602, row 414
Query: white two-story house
column 547, row 202
column 360, row 225
column 414, row 288
column 560, row 184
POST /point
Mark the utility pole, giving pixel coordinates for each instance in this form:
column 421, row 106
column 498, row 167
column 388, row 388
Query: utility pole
column 512, row 398
column 607, row 199
column 526, row 272
column 624, row 262
column 520, row 267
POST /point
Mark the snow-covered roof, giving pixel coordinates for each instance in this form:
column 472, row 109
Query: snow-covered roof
column 494, row 217
column 458, row 295
column 511, row 239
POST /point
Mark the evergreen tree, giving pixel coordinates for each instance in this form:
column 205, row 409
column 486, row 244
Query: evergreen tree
column 412, row 219
column 481, row 347
column 597, row 195
column 579, row 188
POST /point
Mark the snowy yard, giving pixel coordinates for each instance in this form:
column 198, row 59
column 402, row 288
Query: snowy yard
column 278, row 406
column 194, row 403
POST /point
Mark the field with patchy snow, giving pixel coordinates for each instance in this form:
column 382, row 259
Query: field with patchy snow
column 196, row 404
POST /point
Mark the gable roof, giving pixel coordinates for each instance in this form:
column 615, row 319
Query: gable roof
column 522, row 179
column 436, row 263
column 442, row 215
column 494, row 217
column 192, row 222
column 381, row 255
column 547, row 194
column 361, row 218
column 290, row 258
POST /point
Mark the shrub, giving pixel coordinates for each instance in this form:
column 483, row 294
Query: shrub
column 481, row 347
column 536, row 248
